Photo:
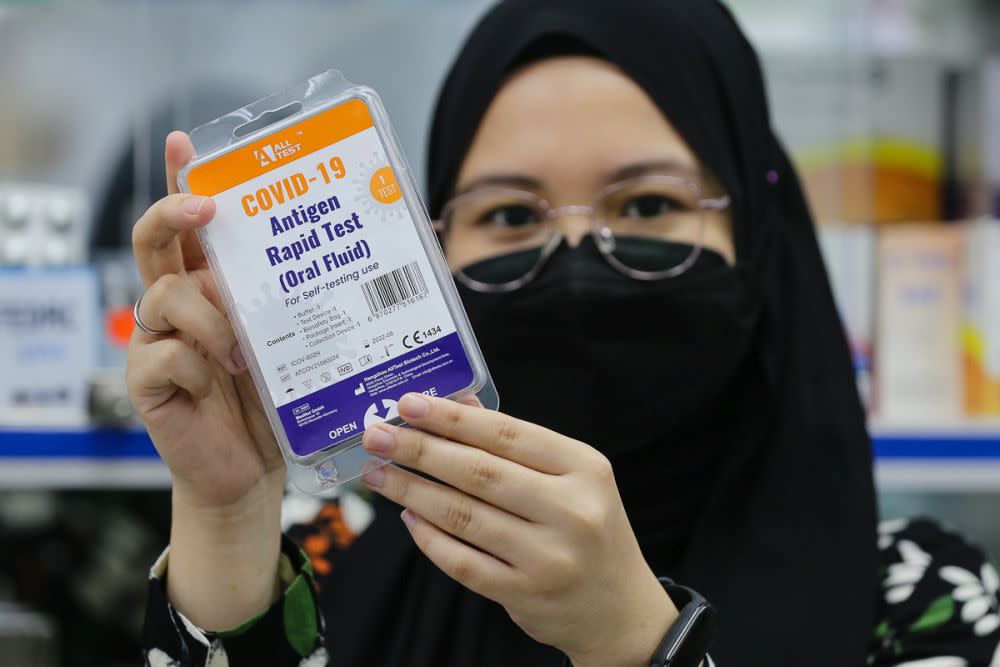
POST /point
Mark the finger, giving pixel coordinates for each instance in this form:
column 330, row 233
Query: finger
column 156, row 370
column 495, row 480
column 494, row 432
column 471, row 401
column 496, row 532
column 154, row 237
column 479, row 572
column 173, row 303
column 178, row 151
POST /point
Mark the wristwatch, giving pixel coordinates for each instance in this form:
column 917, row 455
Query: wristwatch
column 687, row 641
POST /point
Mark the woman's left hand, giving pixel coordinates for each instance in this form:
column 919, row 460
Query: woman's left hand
column 550, row 540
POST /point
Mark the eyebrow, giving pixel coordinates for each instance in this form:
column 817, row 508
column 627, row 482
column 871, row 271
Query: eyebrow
column 641, row 168
column 628, row 171
column 509, row 180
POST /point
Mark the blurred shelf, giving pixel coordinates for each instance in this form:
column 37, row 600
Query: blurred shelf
column 972, row 439
column 944, row 456
column 79, row 458
column 959, row 456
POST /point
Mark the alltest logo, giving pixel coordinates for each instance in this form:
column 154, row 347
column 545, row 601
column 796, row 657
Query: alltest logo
column 277, row 151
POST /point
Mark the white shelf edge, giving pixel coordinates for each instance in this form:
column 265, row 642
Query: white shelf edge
column 47, row 473
column 937, row 475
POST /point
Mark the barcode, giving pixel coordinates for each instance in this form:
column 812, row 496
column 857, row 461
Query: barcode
column 394, row 287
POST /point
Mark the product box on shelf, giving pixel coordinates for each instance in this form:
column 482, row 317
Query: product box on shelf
column 918, row 351
column 981, row 320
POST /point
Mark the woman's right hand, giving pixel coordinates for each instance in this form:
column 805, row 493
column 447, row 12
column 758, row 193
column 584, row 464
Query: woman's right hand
column 192, row 391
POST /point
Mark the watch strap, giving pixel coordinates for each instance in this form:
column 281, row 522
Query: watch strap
column 691, row 635
column 685, row 646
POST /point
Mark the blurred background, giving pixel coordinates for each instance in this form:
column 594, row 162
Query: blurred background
column 891, row 109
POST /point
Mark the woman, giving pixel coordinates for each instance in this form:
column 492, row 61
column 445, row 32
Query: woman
column 683, row 397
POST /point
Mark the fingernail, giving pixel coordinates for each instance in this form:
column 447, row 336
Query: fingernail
column 238, row 359
column 414, row 405
column 378, row 439
column 192, row 205
column 408, row 518
column 374, row 477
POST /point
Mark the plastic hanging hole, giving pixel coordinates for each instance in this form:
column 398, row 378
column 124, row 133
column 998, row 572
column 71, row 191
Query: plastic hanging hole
column 268, row 118
column 327, row 474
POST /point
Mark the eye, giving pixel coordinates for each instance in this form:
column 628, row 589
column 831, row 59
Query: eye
column 510, row 216
column 649, row 206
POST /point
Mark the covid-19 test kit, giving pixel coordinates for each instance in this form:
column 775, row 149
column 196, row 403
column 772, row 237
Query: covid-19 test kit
column 330, row 272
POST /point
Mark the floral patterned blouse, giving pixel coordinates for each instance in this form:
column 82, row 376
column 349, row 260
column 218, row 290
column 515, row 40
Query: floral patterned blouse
column 937, row 604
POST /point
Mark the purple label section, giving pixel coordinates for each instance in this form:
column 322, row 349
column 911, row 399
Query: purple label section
column 343, row 410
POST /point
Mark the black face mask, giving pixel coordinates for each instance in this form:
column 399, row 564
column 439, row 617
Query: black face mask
column 621, row 364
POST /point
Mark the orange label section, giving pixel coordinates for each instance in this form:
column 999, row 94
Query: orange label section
column 279, row 148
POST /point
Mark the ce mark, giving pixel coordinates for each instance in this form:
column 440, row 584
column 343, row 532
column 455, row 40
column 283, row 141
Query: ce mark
column 416, row 337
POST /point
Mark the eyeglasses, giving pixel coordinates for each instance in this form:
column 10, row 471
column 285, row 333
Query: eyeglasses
column 625, row 216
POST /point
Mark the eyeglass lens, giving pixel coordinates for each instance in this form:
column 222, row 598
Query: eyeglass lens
column 649, row 225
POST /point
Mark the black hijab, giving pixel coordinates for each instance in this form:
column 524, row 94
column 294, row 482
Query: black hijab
column 781, row 532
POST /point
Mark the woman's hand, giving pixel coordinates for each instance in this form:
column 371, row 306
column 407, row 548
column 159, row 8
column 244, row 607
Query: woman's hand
column 530, row 519
column 189, row 387
column 200, row 407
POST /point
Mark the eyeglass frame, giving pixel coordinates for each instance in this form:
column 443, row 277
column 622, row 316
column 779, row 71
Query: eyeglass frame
column 601, row 232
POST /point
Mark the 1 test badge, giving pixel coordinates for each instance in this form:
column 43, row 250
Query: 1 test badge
column 333, row 279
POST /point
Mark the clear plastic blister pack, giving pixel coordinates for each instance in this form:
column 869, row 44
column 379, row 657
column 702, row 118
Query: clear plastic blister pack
column 330, row 272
